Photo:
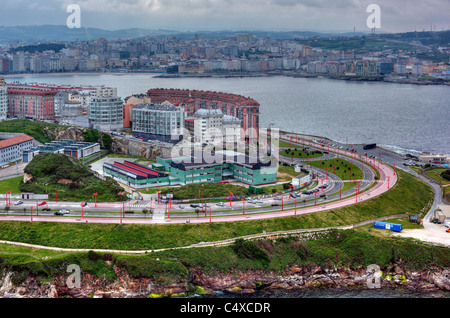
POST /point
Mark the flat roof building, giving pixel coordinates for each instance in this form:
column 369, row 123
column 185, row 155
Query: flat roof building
column 220, row 166
column 135, row 175
column 73, row 148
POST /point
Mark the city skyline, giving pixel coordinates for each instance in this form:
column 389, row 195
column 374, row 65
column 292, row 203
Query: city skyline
column 213, row 15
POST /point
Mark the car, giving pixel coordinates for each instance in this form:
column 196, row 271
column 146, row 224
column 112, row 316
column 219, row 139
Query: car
column 42, row 203
column 18, row 202
column 220, row 204
column 277, row 198
column 274, row 204
column 259, row 201
column 448, row 230
column 64, row 211
column 195, row 205
column 294, row 195
column 181, row 206
column 58, row 213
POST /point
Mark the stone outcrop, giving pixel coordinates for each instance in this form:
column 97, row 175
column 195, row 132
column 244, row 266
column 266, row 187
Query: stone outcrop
column 74, row 133
column 136, row 147
column 293, row 278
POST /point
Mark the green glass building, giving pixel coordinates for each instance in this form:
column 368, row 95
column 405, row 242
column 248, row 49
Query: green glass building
column 219, row 167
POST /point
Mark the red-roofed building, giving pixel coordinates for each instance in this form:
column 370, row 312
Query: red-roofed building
column 11, row 149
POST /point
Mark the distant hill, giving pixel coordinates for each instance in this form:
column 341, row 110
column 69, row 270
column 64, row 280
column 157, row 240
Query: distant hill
column 56, row 33
column 30, row 34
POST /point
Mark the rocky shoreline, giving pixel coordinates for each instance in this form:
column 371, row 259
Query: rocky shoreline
column 239, row 284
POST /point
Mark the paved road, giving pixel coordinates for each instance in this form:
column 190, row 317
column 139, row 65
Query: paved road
column 434, row 233
column 220, row 213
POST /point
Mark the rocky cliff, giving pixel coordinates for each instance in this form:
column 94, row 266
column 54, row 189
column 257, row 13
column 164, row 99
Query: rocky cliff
column 136, row 147
column 74, row 133
column 433, row 279
column 120, row 145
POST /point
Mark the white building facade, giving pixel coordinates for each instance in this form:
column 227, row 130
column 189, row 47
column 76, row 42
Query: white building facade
column 105, row 111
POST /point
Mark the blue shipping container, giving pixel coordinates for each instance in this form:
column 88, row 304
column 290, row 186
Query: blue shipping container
column 388, row 226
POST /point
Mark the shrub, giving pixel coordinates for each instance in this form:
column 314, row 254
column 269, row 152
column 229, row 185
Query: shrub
column 446, row 174
column 248, row 249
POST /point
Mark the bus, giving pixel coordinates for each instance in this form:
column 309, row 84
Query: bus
column 369, row 146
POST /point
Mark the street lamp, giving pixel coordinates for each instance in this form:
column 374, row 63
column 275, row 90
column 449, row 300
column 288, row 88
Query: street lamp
column 290, row 187
column 243, row 206
column 82, row 205
column 8, row 199
column 95, row 195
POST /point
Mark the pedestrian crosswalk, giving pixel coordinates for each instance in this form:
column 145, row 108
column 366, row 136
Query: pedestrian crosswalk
column 141, row 204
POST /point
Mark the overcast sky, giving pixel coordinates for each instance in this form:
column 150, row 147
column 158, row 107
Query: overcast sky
column 196, row 15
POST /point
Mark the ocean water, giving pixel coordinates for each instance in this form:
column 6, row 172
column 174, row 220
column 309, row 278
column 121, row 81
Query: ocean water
column 404, row 118
column 337, row 292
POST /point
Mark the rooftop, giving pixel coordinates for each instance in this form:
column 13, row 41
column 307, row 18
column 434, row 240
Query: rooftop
column 15, row 140
column 202, row 158
column 161, row 107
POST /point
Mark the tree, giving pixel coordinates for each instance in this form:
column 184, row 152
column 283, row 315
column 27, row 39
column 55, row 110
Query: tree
column 91, row 135
column 107, row 141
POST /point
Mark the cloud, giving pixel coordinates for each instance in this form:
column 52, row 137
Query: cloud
column 400, row 15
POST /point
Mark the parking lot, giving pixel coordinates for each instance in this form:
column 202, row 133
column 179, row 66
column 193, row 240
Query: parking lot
column 433, row 233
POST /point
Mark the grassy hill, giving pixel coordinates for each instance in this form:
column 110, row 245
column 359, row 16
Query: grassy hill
column 32, row 128
column 73, row 181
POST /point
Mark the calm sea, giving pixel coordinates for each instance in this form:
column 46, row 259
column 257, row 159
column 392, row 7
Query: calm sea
column 405, row 118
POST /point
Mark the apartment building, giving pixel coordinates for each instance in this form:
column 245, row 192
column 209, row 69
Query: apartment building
column 3, row 99
column 211, row 126
column 164, row 122
column 105, row 110
column 31, row 101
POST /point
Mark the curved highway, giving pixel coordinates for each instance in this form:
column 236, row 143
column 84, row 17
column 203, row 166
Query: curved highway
column 268, row 208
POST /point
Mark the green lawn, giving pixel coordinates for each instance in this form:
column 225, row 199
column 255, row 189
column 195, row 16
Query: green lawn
column 436, row 175
column 340, row 167
column 409, row 195
column 300, row 153
column 205, row 190
column 11, row 184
